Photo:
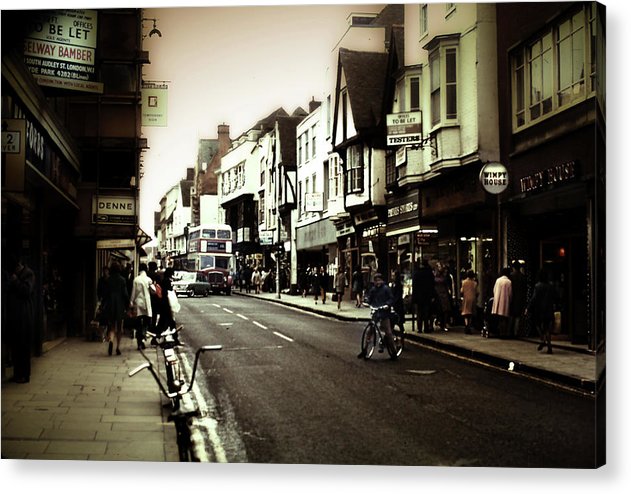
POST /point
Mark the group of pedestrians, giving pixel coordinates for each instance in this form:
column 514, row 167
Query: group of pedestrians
column 433, row 295
column 510, row 305
column 146, row 303
column 314, row 281
column 255, row 278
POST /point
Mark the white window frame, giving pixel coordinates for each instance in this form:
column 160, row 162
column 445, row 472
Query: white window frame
column 524, row 109
column 440, row 87
column 423, row 16
column 335, row 176
column 355, row 169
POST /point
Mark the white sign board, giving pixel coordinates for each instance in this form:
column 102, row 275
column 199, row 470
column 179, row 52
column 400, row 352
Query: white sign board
column 117, row 210
column 314, row 202
column 404, row 128
column 494, row 178
column 60, row 49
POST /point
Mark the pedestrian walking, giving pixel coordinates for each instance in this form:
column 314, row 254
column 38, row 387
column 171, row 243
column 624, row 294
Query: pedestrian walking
column 541, row 309
column 519, row 301
column 165, row 319
column 155, row 292
column 397, row 293
column 256, row 280
column 324, row 283
column 423, row 295
column 469, row 292
column 443, row 306
column 357, row 287
column 502, row 297
column 340, row 286
column 315, row 284
column 116, row 303
column 140, row 300
column 21, row 318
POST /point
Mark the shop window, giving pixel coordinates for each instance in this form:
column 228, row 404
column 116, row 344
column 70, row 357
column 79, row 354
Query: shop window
column 550, row 72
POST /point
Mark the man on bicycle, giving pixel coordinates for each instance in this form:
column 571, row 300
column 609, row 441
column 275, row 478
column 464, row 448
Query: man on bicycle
column 380, row 295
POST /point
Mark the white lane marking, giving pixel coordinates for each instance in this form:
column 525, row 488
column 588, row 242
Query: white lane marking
column 225, row 324
column 259, row 325
column 228, row 311
column 282, row 336
column 242, row 317
column 217, row 305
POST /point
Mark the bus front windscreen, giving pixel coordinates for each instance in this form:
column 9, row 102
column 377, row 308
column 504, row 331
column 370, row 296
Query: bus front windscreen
column 222, row 262
column 206, row 262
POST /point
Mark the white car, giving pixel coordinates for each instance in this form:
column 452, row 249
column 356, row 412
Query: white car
column 191, row 283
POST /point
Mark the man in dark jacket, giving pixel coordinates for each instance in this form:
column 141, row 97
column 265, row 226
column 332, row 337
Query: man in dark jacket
column 21, row 318
column 423, row 294
column 380, row 295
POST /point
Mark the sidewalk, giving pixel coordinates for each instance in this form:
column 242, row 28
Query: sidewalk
column 570, row 366
column 81, row 405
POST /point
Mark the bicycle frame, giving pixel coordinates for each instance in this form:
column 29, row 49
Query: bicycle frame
column 179, row 417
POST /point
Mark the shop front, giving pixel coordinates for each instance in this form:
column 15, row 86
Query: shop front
column 402, row 232
column 40, row 176
column 459, row 228
column 549, row 225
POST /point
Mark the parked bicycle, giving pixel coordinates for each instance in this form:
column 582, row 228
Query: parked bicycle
column 373, row 337
column 176, row 386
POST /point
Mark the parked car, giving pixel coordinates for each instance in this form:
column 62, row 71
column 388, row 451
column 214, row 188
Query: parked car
column 191, row 283
column 220, row 280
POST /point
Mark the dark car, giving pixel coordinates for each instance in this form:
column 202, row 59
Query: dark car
column 220, row 280
column 191, row 283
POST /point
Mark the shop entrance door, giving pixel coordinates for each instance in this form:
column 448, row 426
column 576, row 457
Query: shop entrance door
column 351, row 262
column 565, row 261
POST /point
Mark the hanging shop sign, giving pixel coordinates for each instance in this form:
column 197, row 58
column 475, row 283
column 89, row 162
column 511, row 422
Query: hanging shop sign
column 404, row 128
column 14, row 154
column 154, row 104
column 494, row 178
column 114, row 210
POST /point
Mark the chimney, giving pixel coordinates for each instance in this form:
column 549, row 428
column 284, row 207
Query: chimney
column 313, row 104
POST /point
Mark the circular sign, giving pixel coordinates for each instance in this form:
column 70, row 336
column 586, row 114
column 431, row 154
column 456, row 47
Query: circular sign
column 494, row 178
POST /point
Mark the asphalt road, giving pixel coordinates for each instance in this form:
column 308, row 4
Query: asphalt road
column 288, row 388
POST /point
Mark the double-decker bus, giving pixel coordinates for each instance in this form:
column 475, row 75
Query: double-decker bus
column 210, row 247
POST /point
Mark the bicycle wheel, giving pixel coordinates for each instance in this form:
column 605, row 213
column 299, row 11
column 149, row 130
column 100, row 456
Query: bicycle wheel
column 369, row 340
column 173, row 386
column 183, row 438
column 398, row 344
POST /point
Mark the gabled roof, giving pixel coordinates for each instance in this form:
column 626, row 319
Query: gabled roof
column 287, row 135
column 365, row 80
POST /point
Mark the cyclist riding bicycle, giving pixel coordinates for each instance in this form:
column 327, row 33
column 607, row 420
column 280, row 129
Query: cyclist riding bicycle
column 380, row 295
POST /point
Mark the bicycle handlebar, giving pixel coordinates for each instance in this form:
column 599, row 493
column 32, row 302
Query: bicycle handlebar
column 383, row 307
column 185, row 389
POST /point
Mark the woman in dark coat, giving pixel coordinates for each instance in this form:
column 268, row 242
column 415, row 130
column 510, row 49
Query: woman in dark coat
column 166, row 314
column 541, row 307
column 116, row 302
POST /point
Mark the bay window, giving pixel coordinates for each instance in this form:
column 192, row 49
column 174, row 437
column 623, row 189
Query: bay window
column 550, row 72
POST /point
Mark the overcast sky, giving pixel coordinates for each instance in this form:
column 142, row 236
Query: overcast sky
column 230, row 65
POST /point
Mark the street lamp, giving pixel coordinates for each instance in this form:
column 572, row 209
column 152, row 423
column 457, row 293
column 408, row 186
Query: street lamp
column 278, row 198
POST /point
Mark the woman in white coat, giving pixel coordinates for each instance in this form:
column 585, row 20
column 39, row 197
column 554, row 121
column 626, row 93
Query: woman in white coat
column 140, row 301
column 502, row 298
